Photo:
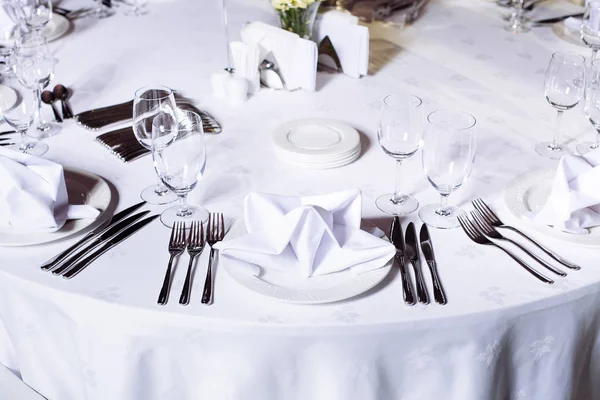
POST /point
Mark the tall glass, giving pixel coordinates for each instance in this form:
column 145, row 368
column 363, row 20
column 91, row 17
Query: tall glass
column 590, row 27
column 448, row 155
column 179, row 156
column 592, row 106
column 517, row 22
column 565, row 80
column 149, row 102
column 37, row 13
column 400, row 133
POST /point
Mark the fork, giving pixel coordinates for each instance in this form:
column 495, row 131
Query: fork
column 493, row 220
column 194, row 248
column 215, row 232
column 475, row 235
column 176, row 247
column 489, row 231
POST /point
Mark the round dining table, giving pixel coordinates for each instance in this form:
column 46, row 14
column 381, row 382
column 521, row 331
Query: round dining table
column 503, row 335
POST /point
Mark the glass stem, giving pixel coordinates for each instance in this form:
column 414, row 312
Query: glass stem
column 554, row 145
column 443, row 210
column 183, row 210
column 596, row 144
column 397, row 198
column 24, row 141
column 38, row 95
column 160, row 188
column 594, row 52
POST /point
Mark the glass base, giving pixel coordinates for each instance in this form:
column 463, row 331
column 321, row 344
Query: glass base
column 46, row 130
column 430, row 216
column 586, row 147
column 406, row 206
column 35, row 149
column 169, row 216
column 151, row 196
column 516, row 26
column 548, row 150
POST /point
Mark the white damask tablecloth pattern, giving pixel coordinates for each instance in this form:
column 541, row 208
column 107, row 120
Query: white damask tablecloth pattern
column 503, row 335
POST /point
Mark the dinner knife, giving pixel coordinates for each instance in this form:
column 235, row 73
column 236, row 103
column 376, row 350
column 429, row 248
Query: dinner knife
column 108, row 245
column 56, row 260
column 554, row 20
column 412, row 252
column 112, row 231
column 427, row 248
column 7, row 132
column 398, row 241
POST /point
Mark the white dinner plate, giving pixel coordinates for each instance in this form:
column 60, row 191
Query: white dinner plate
column 57, row 27
column 322, row 165
column 82, row 188
column 8, row 98
column 528, row 193
column 289, row 288
column 567, row 33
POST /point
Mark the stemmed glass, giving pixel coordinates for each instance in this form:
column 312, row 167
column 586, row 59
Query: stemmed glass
column 135, row 8
column 179, row 157
column 448, row 155
column 590, row 27
column 37, row 13
column 400, row 134
column 565, row 79
column 592, row 107
column 147, row 104
column 517, row 21
column 37, row 74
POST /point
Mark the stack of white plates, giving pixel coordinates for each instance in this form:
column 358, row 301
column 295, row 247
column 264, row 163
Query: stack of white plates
column 316, row 143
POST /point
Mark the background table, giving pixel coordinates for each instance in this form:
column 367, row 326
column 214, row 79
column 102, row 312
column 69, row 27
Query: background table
column 503, row 335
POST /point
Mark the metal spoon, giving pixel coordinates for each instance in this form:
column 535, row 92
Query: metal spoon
column 269, row 76
column 62, row 93
column 48, row 98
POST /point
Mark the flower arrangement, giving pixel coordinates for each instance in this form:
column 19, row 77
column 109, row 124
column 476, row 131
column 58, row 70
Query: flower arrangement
column 297, row 16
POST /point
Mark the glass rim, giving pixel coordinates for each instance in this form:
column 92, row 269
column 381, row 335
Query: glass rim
column 456, row 112
column 579, row 57
column 167, row 89
column 411, row 96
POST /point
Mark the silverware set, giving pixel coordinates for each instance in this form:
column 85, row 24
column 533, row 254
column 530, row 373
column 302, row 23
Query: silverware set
column 80, row 255
column 123, row 144
column 194, row 242
column 407, row 251
column 481, row 229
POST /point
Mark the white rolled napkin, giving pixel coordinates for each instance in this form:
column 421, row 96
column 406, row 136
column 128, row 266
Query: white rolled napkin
column 306, row 236
column 33, row 195
column 574, row 202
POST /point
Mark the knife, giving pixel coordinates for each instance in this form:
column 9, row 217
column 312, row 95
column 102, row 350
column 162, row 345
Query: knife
column 109, row 245
column 112, row 231
column 427, row 248
column 56, row 260
column 412, row 252
column 398, row 241
column 554, row 20
column 7, row 132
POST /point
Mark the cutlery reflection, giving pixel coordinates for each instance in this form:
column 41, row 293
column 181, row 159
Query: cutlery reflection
column 412, row 252
column 48, row 98
column 398, row 241
column 427, row 247
column 215, row 232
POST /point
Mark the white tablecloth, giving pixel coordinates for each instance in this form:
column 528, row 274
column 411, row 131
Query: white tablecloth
column 503, row 335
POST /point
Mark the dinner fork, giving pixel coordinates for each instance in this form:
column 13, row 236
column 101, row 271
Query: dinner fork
column 489, row 231
column 176, row 247
column 194, row 248
column 493, row 220
column 475, row 235
column 215, row 232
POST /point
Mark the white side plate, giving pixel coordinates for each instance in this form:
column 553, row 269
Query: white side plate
column 8, row 98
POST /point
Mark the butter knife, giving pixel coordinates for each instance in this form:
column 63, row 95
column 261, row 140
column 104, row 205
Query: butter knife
column 412, row 252
column 427, row 248
column 398, row 242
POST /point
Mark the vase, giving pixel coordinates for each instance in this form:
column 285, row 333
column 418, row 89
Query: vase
column 299, row 20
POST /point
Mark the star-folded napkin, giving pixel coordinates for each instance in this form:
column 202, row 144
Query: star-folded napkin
column 306, row 236
column 33, row 195
column 574, row 201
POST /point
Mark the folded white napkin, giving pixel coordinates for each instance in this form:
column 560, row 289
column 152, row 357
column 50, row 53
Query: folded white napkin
column 574, row 202
column 350, row 40
column 306, row 236
column 296, row 58
column 33, row 195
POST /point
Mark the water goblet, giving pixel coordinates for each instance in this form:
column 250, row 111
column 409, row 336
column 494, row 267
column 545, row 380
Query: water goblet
column 448, row 155
column 592, row 106
column 400, row 134
column 590, row 27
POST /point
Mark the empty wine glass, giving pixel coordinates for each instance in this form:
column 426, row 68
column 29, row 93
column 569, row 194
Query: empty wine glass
column 136, row 7
column 37, row 13
column 179, row 156
column 517, row 21
column 147, row 104
column 592, row 107
column 400, row 133
column 448, row 155
column 565, row 80
column 590, row 27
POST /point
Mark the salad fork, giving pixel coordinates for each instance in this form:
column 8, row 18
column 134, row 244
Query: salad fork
column 215, row 232
column 176, row 247
column 194, row 248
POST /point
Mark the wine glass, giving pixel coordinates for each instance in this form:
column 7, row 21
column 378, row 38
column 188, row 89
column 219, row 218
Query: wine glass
column 147, row 104
column 37, row 13
column 136, row 7
column 590, row 27
column 400, row 134
column 19, row 112
column 179, row 156
column 517, row 21
column 592, row 107
column 565, row 79
column 36, row 75
column 448, row 155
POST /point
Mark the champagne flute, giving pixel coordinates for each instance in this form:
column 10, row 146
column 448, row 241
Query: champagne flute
column 448, row 156
column 179, row 155
column 590, row 27
column 565, row 79
column 592, row 107
column 148, row 103
column 399, row 134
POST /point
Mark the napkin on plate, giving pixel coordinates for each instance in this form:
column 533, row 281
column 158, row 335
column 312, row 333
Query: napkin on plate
column 33, row 194
column 306, row 236
column 574, row 201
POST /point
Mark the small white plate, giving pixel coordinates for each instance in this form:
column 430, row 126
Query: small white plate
column 335, row 163
column 82, row 188
column 567, row 33
column 289, row 288
column 528, row 193
column 8, row 98
column 57, row 27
